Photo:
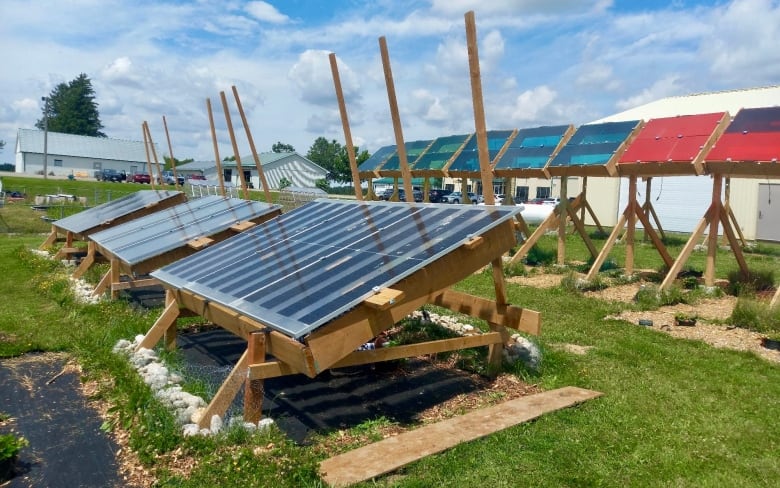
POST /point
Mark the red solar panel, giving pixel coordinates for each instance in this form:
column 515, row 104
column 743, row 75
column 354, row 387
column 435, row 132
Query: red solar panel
column 672, row 139
column 753, row 135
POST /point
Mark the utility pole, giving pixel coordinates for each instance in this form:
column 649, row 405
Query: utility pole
column 45, row 100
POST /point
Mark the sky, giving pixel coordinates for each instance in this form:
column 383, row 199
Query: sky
column 541, row 62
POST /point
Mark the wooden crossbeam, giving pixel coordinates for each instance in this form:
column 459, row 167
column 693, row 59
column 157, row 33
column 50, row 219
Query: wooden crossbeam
column 87, row 262
column 547, row 224
column 200, row 243
column 242, row 226
column 227, row 392
column 161, row 325
column 384, row 299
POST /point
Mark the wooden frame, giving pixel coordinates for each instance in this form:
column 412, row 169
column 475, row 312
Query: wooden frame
column 271, row 354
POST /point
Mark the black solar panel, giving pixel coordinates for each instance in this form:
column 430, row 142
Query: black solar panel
column 153, row 235
column 298, row 271
column 93, row 217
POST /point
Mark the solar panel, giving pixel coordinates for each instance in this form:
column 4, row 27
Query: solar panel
column 413, row 150
column 672, row 139
column 377, row 159
column 141, row 239
column 296, row 272
column 752, row 137
column 532, row 148
column 593, row 145
column 468, row 159
column 440, row 152
column 128, row 204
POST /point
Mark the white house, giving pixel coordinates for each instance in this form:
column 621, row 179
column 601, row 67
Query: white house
column 81, row 156
column 298, row 170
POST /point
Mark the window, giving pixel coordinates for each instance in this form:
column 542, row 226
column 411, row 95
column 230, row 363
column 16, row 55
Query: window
column 97, row 166
column 543, row 192
column 58, row 163
column 521, row 194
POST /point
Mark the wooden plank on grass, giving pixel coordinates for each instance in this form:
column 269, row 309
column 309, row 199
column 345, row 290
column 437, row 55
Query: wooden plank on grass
column 394, row 452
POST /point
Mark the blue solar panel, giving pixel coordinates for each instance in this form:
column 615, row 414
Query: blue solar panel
column 298, row 271
column 594, row 144
column 141, row 239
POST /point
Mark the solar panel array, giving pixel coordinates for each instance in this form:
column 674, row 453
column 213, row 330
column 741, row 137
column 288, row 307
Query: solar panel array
column 138, row 240
column 296, row 272
column 95, row 216
column 593, row 144
column 532, row 148
column 468, row 159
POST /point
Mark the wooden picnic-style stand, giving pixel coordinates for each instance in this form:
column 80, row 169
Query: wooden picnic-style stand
column 749, row 147
column 272, row 351
column 142, row 245
column 593, row 150
column 669, row 146
column 80, row 226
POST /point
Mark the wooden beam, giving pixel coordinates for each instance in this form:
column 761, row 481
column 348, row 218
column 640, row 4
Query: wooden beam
column 395, row 452
column 474, row 242
column 420, row 349
column 479, row 109
column 166, row 320
column 87, row 262
column 631, row 210
column 253, row 388
column 250, row 139
column 712, row 240
column 334, row 69
column 736, row 249
column 199, row 243
column 233, row 141
column 132, row 284
column 686, row 250
column 397, row 129
column 170, row 151
column 226, row 393
column 242, row 226
column 511, row 316
column 218, row 162
column 50, row 239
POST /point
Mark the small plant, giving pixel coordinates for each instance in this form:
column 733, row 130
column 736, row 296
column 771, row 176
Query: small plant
column 537, row 256
column 10, row 446
column 682, row 318
column 515, row 269
column 755, row 315
column 747, row 284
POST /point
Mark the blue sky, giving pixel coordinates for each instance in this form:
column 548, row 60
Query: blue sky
column 542, row 62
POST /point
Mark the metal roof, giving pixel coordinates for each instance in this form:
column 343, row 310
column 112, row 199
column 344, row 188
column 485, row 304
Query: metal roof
column 730, row 101
column 31, row 141
column 298, row 271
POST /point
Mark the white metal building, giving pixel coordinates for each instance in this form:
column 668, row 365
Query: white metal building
column 298, row 170
column 80, row 156
column 681, row 201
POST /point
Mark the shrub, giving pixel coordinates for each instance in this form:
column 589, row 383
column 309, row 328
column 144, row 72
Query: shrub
column 749, row 283
column 754, row 315
column 515, row 269
column 537, row 256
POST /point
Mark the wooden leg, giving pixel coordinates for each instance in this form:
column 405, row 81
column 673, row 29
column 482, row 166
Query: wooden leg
column 227, row 392
column 50, row 240
column 562, row 211
column 253, row 389
column 115, row 278
column 630, row 225
column 87, row 262
column 686, row 251
column 712, row 240
column 162, row 325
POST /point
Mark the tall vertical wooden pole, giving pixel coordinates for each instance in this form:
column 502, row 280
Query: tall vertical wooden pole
column 218, row 161
column 712, row 238
column 253, row 389
column 260, row 173
column 562, row 217
column 630, row 225
column 146, row 148
column 479, row 110
column 345, row 124
column 233, row 141
column 154, row 155
column 406, row 175
column 170, row 151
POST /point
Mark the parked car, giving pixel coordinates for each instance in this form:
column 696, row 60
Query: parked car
column 168, row 179
column 110, row 175
column 457, row 197
column 142, row 178
column 386, row 194
column 437, row 195
column 196, row 176
column 417, row 194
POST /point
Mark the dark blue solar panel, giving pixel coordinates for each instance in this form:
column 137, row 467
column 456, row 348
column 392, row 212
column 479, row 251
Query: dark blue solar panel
column 141, row 239
column 594, row 144
column 304, row 268
column 126, row 205
column 468, row 159
column 377, row 159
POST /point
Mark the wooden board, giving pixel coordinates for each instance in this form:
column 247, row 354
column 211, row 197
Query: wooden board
column 394, row 452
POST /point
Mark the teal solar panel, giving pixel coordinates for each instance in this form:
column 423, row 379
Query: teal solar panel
column 532, row 148
column 413, row 150
column 377, row 159
column 440, row 152
column 594, row 144
column 468, row 159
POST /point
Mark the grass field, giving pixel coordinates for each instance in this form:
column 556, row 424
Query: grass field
column 674, row 412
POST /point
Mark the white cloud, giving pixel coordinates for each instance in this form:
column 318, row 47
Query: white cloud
column 530, row 104
column 662, row 88
column 266, row 12
column 515, row 6
column 313, row 78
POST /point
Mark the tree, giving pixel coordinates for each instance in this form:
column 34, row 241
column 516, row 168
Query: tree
column 334, row 158
column 179, row 162
column 72, row 109
column 281, row 147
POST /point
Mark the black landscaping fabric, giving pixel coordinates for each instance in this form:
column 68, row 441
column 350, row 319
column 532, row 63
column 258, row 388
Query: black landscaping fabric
column 67, row 447
column 336, row 399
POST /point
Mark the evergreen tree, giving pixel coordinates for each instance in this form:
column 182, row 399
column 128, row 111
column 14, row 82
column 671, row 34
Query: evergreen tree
column 281, row 147
column 72, row 109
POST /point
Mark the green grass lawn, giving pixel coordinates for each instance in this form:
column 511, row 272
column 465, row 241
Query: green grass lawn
column 674, row 412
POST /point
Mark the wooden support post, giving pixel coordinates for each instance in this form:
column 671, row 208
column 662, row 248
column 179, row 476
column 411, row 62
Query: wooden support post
column 154, row 154
column 775, row 299
column 253, row 388
column 406, row 175
column 370, row 195
column 584, row 194
column 171, row 332
column 103, row 284
column 165, row 321
column 687, row 249
column 496, row 350
column 115, row 277
column 731, row 238
column 239, row 168
column 146, row 148
column 226, row 393
column 87, row 262
column 562, row 218
column 464, row 190
column 220, row 176
column 579, row 227
column 631, row 225
column 712, row 241
column 170, row 151
column 426, row 190
column 345, row 124
column 250, row 139
column 509, row 191
column 479, row 109
column 50, row 239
